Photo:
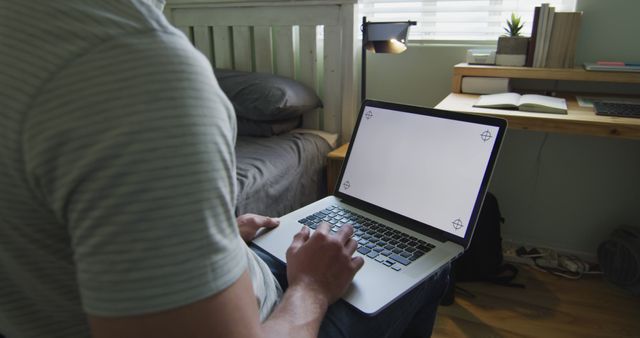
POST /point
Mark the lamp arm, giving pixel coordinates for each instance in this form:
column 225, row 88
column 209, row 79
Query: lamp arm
column 363, row 71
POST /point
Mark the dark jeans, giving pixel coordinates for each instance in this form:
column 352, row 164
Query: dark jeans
column 413, row 315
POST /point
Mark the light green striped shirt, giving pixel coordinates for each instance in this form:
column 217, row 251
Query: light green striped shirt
column 117, row 171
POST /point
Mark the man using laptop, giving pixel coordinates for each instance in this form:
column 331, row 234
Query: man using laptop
column 412, row 184
column 117, row 199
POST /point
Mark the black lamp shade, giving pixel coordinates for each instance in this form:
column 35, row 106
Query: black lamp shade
column 386, row 37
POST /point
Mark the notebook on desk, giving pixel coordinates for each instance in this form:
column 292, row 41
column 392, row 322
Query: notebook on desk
column 526, row 102
column 412, row 185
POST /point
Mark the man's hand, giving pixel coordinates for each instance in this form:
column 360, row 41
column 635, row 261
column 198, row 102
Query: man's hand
column 249, row 224
column 323, row 261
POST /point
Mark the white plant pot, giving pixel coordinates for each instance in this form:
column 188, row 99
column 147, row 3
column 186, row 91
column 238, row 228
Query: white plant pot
column 515, row 60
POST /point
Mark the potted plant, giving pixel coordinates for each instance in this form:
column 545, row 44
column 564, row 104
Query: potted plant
column 512, row 47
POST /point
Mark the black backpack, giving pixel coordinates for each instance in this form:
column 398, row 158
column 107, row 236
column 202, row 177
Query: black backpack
column 483, row 261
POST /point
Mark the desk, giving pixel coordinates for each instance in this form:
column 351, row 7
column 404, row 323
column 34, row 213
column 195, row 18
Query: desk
column 578, row 120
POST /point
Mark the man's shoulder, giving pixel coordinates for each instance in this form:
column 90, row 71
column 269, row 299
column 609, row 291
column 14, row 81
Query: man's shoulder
column 48, row 37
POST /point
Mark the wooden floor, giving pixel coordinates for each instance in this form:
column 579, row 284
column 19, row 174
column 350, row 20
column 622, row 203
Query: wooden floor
column 549, row 306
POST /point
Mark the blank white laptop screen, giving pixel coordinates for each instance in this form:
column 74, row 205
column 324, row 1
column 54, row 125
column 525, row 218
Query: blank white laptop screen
column 426, row 168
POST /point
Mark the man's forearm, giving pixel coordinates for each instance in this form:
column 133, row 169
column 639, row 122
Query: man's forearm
column 315, row 281
column 299, row 314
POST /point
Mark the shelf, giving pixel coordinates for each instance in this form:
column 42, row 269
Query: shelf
column 564, row 74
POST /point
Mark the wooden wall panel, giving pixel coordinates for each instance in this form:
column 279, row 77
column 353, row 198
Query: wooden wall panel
column 222, row 47
column 202, row 41
column 242, row 57
column 309, row 69
column 332, row 87
column 284, row 53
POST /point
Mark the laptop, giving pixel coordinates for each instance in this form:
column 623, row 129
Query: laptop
column 412, row 185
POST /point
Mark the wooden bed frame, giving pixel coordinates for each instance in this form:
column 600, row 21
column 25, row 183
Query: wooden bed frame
column 311, row 41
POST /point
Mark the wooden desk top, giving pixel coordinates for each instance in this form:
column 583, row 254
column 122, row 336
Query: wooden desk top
column 578, row 120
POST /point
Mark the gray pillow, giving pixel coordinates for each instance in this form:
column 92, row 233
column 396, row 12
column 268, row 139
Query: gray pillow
column 248, row 127
column 266, row 97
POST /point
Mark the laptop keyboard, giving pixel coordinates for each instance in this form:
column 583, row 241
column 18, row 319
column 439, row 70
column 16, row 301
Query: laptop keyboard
column 381, row 243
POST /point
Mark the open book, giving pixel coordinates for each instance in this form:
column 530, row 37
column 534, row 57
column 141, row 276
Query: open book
column 527, row 102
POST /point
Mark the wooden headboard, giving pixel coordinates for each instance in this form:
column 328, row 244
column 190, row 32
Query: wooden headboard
column 310, row 41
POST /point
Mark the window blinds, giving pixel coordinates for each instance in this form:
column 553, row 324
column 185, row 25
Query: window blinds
column 456, row 19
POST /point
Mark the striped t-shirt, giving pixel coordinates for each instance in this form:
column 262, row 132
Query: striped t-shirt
column 117, row 171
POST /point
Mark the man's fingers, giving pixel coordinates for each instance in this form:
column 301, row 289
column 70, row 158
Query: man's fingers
column 357, row 262
column 351, row 246
column 300, row 238
column 345, row 233
column 269, row 222
column 324, row 228
column 258, row 221
column 264, row 221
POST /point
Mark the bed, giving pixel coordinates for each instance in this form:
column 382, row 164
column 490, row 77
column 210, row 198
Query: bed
column 280, row 157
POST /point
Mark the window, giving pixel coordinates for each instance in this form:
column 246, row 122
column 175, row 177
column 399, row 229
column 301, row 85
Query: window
column 456, row 19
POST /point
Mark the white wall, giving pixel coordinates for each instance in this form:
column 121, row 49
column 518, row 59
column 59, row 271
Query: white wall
column 609, row 31
column 419, row 76
column 562, row 191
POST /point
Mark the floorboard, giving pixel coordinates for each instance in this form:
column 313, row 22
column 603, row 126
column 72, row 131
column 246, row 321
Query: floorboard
column 548, row 306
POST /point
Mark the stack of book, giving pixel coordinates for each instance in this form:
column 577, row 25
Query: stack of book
column 554, row 36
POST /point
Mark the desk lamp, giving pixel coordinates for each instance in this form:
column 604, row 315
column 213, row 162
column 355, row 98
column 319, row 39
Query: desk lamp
column 381, row 37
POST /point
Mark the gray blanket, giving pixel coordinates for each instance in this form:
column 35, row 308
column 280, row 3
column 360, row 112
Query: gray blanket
column 279, row 174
